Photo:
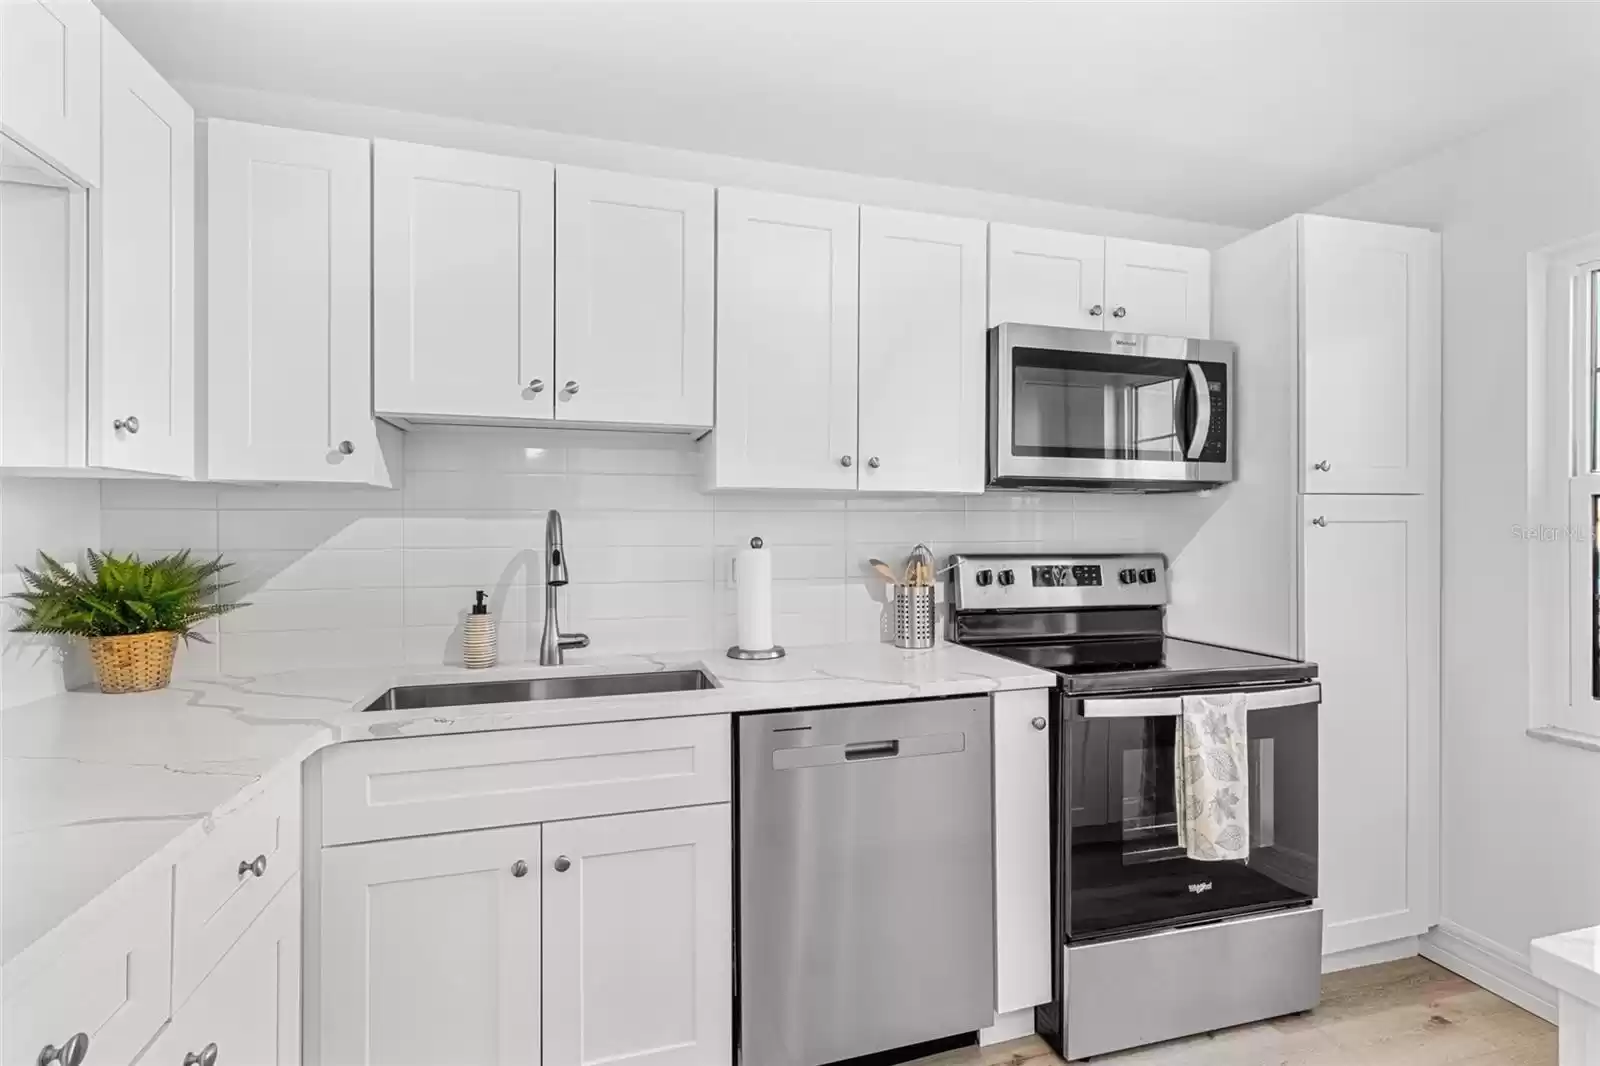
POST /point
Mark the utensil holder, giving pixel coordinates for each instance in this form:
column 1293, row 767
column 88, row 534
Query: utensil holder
column 913, row 616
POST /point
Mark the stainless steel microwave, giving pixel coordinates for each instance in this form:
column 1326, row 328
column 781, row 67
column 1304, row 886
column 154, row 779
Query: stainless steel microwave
column 1086, row 409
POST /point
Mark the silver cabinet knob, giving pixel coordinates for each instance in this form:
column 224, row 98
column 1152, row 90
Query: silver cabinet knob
column 845, row 460
column 873, row 462
column 1319, row 521
column 1096, row 311
column 536, row 385
column 1119, row 312
column 570, row 388
column 562, row 864
column 346, row 447
column 519, row 869
column 69, row 1054
column 1040, row 722
column 206, row 1056
column 1324, row 465
column 131, row 424
column 257, row 867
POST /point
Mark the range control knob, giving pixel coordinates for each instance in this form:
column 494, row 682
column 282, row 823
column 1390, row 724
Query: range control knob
column 1147, row 577
column 984, row 578
column 1007, row 577
column 1127, row 577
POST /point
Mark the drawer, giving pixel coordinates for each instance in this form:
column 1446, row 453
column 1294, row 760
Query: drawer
column 249, row 1005
column 217, row 893
column 109, row 979
column 375, row 790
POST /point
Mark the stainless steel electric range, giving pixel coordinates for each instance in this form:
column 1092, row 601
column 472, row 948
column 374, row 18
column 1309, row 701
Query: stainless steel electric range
column 1154, row 944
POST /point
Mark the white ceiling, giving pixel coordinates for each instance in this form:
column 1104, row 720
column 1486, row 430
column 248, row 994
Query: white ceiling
column 1224, row 112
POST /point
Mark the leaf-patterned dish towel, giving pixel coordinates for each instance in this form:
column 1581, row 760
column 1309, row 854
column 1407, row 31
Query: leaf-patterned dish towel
column 1212, row 790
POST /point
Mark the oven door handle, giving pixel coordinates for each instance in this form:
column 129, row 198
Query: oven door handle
column 1202, row 412
column 1172, row 706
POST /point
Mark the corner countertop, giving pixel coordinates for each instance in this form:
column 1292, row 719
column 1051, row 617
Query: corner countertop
column 1570, row 962
column 98, row 788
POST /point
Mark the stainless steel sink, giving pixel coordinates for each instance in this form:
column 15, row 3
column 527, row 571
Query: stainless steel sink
column 522, row 690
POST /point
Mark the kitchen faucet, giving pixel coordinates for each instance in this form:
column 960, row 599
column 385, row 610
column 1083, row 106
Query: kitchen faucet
column 554, row 642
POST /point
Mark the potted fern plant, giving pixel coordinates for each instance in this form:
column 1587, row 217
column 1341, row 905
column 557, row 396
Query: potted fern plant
column 131, row 612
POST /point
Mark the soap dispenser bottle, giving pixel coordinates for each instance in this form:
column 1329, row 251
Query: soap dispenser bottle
column 478, row 637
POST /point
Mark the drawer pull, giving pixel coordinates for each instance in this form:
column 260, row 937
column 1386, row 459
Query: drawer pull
column 69, row 1054
column 206, row 1056
column 259, row 867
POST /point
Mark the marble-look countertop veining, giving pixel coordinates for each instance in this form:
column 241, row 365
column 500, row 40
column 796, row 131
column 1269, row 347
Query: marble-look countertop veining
column 97, row 788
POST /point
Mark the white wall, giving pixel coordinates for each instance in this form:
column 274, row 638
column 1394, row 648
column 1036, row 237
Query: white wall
column 61, row 517
column 1520, row 851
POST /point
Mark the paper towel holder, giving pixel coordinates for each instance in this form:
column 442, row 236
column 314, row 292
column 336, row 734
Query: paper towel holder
column 736, row 652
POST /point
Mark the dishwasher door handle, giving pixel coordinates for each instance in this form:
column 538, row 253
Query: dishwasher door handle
column 871, row 749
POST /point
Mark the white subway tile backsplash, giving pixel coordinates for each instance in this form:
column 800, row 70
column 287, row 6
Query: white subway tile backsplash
column 356, row 575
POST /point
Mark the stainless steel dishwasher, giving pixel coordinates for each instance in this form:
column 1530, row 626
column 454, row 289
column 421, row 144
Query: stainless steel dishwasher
column 866, row 888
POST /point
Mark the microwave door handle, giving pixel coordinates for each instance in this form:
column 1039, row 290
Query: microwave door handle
column 1202, row 412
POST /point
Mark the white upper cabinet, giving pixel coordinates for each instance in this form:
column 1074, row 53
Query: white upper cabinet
column 923, row 372
column 1046, row 277
column 1370, row 354
column 635, row 299
column 50, row 81
column 463, row 284
column 786, row 342
column 141, row 324
column 1157, row 288
column 638, row 939
column 1371, row 595
column 289, row 302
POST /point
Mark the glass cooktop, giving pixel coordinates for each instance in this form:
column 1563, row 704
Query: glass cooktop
column 1151, row 663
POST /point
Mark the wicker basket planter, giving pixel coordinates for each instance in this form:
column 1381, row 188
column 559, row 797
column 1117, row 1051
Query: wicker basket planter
column 136, row 663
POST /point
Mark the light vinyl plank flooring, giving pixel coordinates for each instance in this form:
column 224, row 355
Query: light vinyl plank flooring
column 1406, row 1013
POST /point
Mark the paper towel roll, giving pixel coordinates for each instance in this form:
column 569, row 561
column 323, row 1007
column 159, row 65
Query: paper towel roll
column 752, row 582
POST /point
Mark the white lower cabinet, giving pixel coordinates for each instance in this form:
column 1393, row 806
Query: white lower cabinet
column 1371, row 593
column 638, row 941
column 247, row 1010
column 430, row 951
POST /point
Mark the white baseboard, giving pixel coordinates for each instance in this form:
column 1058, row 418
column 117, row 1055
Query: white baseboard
column 1010, row 1026
column 1371, row 955
column 1494, row 966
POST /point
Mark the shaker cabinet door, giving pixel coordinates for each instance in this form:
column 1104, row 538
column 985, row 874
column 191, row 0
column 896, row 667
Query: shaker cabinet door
column 289, row 304
column 638, row 944
column 430, row 951
column 1370, row 603
column 1370, row 347
column 923, row 374
column 786, row 342
column 635, row 299
column 50, row 82
column 141, row 285
column 1046, row 277
column 463, row 250
column 1163, row 289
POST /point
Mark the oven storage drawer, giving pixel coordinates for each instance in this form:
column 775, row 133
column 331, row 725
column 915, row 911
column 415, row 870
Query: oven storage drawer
column 1211, row 977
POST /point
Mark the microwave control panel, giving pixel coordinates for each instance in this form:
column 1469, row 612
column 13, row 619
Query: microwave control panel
column 1215, row 449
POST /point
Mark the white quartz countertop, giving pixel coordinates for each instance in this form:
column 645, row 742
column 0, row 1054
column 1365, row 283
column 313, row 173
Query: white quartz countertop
column 99, row 787
column 1570, row 962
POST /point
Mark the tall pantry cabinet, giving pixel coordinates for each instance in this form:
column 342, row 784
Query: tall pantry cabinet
column 1327, row 545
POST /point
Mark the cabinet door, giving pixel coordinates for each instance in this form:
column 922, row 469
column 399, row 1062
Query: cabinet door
column 1370, row 602
column 249, row 1006
column 430, row 951
column 635, row 299
column 638, row 949
column 289, row 304
column 141, row 289
column 463, row 283
column 1046, row 277
column 1022, row 889
column 1369, row 298
column 923, row 374
column 50, row 56
column 786, row 342
column 1158, row 288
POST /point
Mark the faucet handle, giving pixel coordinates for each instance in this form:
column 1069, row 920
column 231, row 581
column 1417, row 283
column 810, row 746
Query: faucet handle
column 573, row 640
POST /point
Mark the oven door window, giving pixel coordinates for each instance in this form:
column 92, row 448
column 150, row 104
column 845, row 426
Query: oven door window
column 1126, row 869
column 1070, row 405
